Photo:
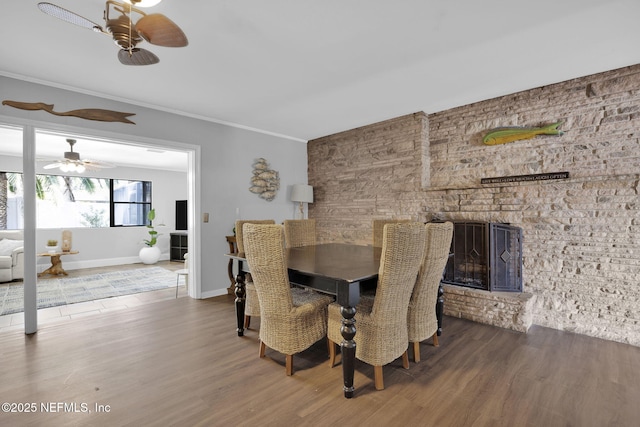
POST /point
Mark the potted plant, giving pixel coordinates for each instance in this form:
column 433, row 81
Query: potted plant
column 52, row 246
column 150, row 253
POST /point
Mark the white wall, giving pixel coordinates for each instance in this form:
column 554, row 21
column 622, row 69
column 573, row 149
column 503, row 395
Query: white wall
column 226, row 156
column 112, row 246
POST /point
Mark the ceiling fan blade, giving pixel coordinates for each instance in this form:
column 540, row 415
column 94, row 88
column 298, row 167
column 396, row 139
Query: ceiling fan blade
column 159, row 30
column 52, row 165
column 137, row 57
column 91, row 164
column 66, row 15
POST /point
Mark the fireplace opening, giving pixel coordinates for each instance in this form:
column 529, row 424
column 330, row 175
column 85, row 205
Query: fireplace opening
column 485, row 255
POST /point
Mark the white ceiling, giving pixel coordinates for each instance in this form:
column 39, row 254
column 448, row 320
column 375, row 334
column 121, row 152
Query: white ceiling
column 306, row 69
column 50, row 147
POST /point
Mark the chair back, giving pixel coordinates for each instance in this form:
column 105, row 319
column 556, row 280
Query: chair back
column 239, row 235
column 265, row 254
column 378, row 227
column 422, row 309
column 299, row 232
column 402, row 253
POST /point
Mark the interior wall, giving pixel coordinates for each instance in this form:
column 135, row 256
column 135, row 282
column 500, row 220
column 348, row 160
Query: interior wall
column 226, row 157
column 119, row 245
column 580, row 234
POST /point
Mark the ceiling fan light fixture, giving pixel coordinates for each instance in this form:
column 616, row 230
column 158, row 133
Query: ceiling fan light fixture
column 72, row 167
column 154, row 28
column 72, row 163
column 143, row 3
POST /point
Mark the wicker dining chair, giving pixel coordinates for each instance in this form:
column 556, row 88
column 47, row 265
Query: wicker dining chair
column 299, row 232
column 378, row 227
column 381, row 322
column 292, row 319
column 251, row 303
column 421, row 318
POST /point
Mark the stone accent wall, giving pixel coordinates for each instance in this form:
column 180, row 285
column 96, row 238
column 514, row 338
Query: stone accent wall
column 369, row 172
column 581, row 235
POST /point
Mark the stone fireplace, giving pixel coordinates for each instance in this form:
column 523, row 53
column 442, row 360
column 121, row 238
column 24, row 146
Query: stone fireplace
column 580, row 263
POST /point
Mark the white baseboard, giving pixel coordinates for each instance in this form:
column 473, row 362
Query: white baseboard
column 93, row 263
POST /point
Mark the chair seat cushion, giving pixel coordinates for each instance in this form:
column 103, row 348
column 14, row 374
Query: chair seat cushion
column 302, row 296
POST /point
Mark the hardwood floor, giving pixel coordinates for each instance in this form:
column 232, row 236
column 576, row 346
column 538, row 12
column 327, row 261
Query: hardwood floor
column 180, row 362
column 65, row 312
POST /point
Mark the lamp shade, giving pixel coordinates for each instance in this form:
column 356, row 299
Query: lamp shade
column 302, row 193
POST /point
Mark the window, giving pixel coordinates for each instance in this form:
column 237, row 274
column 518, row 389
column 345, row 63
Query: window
column 69, row 202
column 131, row 202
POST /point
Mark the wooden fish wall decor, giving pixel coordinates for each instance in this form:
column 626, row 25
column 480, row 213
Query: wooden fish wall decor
column 87, row 113
column 509, row 134
column 264, row 182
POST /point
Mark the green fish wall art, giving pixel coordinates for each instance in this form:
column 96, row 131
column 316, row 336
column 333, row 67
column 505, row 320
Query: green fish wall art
column 509, row 134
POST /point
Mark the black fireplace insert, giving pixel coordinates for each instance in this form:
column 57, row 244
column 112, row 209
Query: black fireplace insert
column 485, row 255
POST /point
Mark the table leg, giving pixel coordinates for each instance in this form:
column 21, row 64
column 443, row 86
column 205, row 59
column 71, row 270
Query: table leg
column 56, row 267
column 230, row 273
column 348, row 348
column 232, row 249
column 440, row 308
column 240, row 298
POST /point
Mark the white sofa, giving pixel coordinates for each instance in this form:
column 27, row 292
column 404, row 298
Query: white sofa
column 11, row 255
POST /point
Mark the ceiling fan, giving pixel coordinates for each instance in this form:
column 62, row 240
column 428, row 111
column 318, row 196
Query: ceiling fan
column 72, row 163
column 155, row 28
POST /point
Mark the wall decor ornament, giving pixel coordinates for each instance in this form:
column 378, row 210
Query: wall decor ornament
column 265, row 182
column 85, row 113
column 509, row 134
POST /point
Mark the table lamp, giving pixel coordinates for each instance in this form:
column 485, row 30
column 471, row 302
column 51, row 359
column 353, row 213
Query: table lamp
column 302, row 193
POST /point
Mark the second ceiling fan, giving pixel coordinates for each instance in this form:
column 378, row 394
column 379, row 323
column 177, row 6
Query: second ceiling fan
column 71, row 161
column 155, row 28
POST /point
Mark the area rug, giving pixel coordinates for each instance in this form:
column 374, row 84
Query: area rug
column 62, row 291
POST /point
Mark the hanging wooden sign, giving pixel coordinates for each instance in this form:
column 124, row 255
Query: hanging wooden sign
column 522, row 178
column 86, row 113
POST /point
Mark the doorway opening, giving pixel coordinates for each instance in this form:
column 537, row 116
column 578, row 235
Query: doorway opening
column 97, row 252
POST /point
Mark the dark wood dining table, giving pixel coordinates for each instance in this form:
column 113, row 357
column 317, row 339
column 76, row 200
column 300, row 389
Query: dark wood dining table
column 342, row 270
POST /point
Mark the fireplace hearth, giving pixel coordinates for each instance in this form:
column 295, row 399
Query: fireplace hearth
column 485, row 255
